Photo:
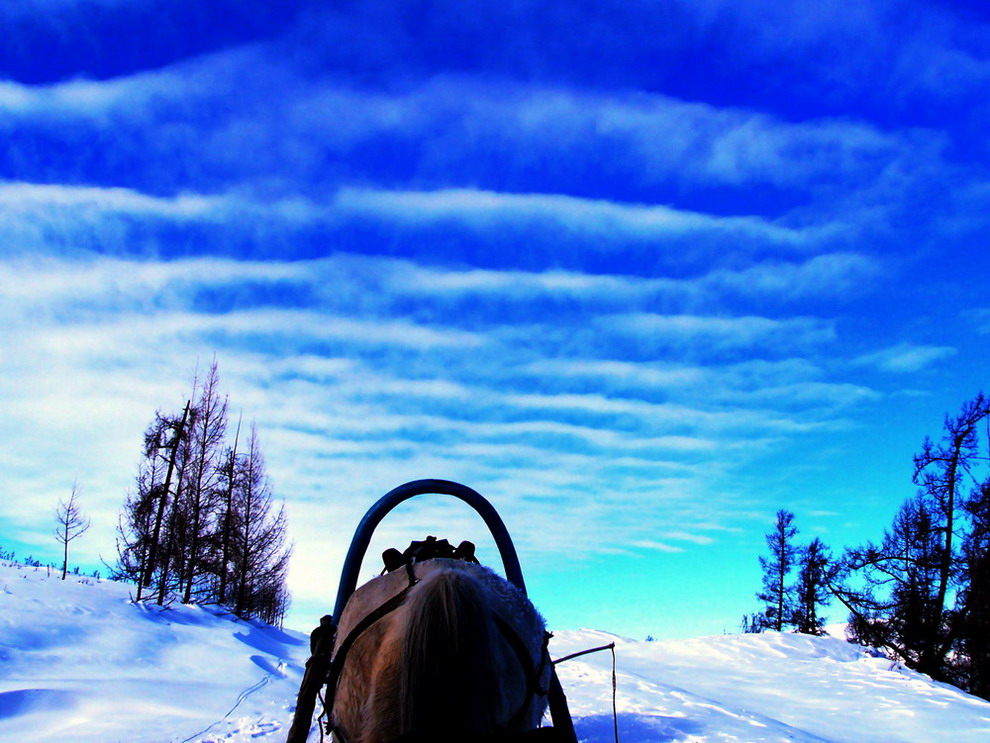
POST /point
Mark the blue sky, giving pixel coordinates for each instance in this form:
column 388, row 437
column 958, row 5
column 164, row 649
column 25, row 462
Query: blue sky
column 640, row 272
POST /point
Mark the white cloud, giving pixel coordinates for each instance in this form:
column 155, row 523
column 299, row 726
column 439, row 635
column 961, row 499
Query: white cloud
column 22, row 197
column 140, row 96
column 643, row 374
column 721, row 332
column 414, row 279
column 790, row 384
column 685, row 536
column 649, row 544
column 488, row 208
column 834, row 274
column 802, row 395
column 736, row 146
column 30, row 281
column 648, row 415
column 299, row 325
column 830, row 274
column 905, row 358
column 75, row 208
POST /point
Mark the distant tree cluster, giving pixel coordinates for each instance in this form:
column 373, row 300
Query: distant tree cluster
column 922, row 594
column 201, row 523
column 794, row 603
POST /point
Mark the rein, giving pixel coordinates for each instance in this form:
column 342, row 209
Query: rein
column 610, row 646
column 337, row 663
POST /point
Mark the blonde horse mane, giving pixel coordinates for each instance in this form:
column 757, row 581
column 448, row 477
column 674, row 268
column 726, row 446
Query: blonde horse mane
column 442, row 663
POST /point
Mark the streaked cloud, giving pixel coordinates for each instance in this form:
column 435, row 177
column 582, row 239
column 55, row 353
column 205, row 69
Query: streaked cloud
column 85, row 200
column 649, row 544
column 829, row 274
column 905, row 358
column 597, row 216
column 444, row 127
column 721, row 333
column 644, row 375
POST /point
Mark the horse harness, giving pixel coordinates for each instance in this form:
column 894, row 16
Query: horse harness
column 323, row 637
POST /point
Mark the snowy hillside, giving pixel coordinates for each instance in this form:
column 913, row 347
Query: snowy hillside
column 79, row 662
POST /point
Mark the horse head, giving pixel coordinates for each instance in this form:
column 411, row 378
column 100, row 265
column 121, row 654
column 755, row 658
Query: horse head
column 441, row 650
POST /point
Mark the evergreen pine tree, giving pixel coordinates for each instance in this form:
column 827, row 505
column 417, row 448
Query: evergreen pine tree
column 812, row 588
column 777, row 594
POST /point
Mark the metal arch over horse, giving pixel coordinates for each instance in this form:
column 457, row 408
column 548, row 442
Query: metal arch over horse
column 439, row 650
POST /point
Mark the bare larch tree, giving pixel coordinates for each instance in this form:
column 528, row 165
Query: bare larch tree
column 71, row 524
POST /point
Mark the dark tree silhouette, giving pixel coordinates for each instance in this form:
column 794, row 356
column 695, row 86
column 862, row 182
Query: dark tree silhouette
column 135, row 528
column 162, row 444
column 777, row 595
column 942, row 471
column 203, row 486
column 142, row 527
column 201, row 525
column 173, row 544
column 914, row 594
column 751, row 624
column 262, row 559
column 894, row 606
column 973, row 605
column 227, row 521
column 812, row 589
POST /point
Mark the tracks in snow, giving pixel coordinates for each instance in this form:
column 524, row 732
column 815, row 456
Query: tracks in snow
column 262, row 683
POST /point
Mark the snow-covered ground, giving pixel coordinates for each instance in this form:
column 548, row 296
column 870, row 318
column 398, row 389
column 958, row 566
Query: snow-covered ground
column 79, row 662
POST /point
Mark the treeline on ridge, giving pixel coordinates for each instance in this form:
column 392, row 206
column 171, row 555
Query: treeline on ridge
column 922, row 593
column 201, row 524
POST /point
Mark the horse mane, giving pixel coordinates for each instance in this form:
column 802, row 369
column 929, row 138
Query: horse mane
column 449, row 677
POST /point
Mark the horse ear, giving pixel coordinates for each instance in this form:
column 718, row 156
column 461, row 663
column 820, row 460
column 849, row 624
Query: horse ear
column 393, row 559
column 465, row 551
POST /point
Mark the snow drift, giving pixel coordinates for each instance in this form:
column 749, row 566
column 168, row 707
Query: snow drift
column 80, row 662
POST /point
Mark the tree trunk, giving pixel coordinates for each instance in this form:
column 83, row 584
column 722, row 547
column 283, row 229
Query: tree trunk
column 153, row 549
column 163, row 581
column 225, row 536
column 65, row 554
column 933, row 658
